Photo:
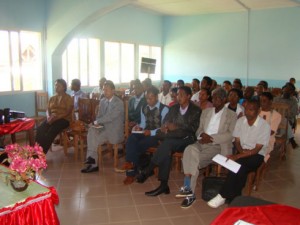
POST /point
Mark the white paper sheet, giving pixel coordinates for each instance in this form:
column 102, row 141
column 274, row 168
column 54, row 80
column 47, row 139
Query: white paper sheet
column 137, row 132
column 227, row 163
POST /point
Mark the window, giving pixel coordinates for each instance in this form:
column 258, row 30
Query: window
column 20, row 61
column 81, row 60
column 154, row 53
column 119, row 62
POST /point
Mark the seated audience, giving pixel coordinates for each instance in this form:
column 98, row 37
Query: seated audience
column 288, row 98
column 173, row 96
column 234, row 97
column 248, row 94
column 108, row 126
column 165, row 97
column 196, row 90
column 271, row 116
column 214, row 85
column 76, row 92
column 180, row 83
column 237, row 83
column 152, row 116
column 147, row 83
column 98, row 90
column 259, row 89
column 295, row 94
column 251, row 148
column 59, row 116
column 135, row 104
column 214, row 136
column 177, row 132
column 206, row 82
column 227, row 85
column 265, row 85
column 205, row 99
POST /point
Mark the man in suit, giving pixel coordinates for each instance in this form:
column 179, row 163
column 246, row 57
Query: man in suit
column 108, row 126
column 177, row 132
column 135, row 104
column 214, row 136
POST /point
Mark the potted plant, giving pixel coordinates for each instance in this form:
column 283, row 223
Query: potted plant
column 25, row 163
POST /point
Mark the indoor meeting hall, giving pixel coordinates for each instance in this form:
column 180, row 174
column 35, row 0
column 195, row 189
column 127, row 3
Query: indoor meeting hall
column 149, row 112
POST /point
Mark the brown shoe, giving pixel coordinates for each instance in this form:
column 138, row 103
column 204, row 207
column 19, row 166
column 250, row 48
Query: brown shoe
column 127, row 166
column 128, row 180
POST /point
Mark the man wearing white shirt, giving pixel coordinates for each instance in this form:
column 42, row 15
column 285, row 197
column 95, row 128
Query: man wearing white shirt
column 214, row 136
column 165, row 97
column 252, row 134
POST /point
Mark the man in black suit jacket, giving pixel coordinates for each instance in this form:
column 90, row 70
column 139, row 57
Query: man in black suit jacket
column 178, row 131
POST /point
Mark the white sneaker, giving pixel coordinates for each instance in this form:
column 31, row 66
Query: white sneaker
column 216, row 201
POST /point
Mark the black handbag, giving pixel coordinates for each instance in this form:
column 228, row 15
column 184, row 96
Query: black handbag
column 211, row 186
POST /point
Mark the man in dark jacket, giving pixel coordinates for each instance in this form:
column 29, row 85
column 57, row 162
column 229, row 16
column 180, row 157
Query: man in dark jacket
column 135, row 104
column 178, row 131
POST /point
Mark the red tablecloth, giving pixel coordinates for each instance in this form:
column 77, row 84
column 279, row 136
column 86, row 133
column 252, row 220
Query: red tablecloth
column 37, row 210
column 17, row 126
column 274, row 214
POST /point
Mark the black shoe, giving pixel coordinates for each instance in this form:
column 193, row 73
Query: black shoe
column 293, row 143
column 89, row 169
column 158, row 191
column 90, row 160
column 188, row 201
column 143, row 176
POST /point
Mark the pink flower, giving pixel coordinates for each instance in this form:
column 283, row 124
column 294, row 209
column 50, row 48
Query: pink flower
column 25, row 160
column 18, row 164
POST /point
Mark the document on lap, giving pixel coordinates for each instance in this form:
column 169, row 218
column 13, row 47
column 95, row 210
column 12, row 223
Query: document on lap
column 227, row 163
column 137, row 131
column 97, row 126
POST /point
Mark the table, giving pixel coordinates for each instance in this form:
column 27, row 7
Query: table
column 262, row 214
column 18, row 125
column 35, row 205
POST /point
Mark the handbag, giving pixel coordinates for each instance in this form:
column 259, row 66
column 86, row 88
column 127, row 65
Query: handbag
column 211, row 186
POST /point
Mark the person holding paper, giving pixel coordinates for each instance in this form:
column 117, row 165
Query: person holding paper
column 108, row 126
column 178, row 132
column 252, row 134
column 143, row 134
column 214, row 136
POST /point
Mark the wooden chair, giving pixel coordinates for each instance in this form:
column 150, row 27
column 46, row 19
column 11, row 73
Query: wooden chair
column 281, row 138
column 276, row 92
column 176, row 155
column 41, row 105
column 86, row 115
column 254, row 178
column 113, row 148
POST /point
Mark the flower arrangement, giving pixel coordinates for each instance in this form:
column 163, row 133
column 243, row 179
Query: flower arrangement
column 25, row 162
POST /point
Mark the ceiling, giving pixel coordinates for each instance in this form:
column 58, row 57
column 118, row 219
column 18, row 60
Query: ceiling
column 193, row 7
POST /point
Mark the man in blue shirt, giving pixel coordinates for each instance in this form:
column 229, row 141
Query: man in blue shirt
column 143, row 134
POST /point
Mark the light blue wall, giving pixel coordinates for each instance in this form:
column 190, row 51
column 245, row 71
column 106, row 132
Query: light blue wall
column 21, row 15
column 216, row 45
column 107, row 20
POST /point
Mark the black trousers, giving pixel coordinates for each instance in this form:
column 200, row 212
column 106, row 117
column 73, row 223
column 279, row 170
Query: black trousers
column 46, row 133
column 163, row 156
column 235, row 182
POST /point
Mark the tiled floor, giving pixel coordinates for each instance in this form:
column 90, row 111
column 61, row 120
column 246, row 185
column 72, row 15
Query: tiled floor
column 103, row 199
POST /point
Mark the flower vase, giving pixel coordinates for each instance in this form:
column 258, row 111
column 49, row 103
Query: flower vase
column 19, row 185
